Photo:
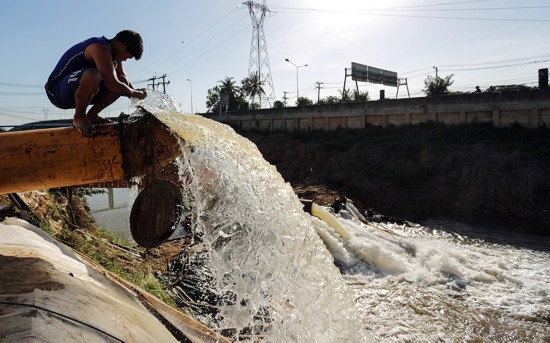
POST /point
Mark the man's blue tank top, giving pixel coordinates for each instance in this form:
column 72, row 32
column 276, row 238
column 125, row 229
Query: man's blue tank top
column 73, row 60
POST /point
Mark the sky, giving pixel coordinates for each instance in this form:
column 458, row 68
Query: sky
column 197, row 43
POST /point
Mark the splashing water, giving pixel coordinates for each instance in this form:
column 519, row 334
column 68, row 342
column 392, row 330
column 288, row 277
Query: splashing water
column 264, row 249
column 436, row 283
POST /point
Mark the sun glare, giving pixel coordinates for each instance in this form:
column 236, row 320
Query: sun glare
column 347, row 5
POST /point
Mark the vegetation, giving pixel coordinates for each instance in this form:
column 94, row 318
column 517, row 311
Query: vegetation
column 69, row 222
column 225, row 97
column 437, row 85
column 252, row 86
column 278, row 104
column 328, row 100
column 350, row 95
column 303, row 101
column 228, row 96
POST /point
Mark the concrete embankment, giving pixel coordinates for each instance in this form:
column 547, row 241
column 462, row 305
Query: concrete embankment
column 528, row 108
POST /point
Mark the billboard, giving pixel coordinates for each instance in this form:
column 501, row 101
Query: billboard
column 364, row 73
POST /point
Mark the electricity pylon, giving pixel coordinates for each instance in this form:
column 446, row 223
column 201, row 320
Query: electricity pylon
column 259, row 59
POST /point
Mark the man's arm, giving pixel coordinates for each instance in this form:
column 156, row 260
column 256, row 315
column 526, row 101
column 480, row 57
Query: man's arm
column 119, row 71
column 101, row 55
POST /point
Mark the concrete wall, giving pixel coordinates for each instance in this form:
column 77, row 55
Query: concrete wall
column 527, row 108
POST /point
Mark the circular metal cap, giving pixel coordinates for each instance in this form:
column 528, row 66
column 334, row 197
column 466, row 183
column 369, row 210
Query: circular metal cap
column 155, row 213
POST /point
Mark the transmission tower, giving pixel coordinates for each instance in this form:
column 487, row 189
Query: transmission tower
column 259, row 59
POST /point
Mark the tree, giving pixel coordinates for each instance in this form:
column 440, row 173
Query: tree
column 345, row 95
column 251, row 87
column 278, row 104
column 437, row 85
column 357, row 95
column 331, row 99
column 353, row 95
column 229, row 89
column 303, row 101
column 213, row 100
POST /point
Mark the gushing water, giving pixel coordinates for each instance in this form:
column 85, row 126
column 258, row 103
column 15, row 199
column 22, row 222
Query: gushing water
column 263, row 249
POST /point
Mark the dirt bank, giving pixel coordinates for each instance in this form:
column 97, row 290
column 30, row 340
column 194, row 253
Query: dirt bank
column 476, row 173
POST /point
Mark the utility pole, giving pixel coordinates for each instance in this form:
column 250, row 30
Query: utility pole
column 191, row 81
column 163, row 83
column 152, row 84
column 435, row 72
column 284, row 98
column 220, row 96
column 318, row 90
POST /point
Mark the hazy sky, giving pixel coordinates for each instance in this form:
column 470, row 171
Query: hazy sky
column 486, row 42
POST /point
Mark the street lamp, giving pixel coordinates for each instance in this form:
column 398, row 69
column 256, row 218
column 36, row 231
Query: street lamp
column 191, row 81
column 220, row 96
column 297, row 89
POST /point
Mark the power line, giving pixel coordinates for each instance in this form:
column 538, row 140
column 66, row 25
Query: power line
column 464, row 18
column 207, row 51
column 416, row 8
column 446, row 3
column 20, row 93
column 22, row 85
column 417, row 70
column 496, row 67
column 496, row 62
column 210, row 27
column 487, row 64
column 191, row 52
column 224, row 31
column 16, row 116
column 475, row 9
column 380, row 11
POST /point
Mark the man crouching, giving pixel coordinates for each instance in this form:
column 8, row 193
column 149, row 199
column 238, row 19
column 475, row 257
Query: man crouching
column 91, row 73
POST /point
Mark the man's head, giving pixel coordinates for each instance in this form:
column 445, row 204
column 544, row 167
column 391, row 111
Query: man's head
column 132, row 41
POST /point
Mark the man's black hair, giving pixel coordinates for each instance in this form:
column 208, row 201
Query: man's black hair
column 133, row 42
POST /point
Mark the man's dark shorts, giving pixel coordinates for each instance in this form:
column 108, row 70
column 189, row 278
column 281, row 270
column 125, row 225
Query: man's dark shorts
column 64, row 90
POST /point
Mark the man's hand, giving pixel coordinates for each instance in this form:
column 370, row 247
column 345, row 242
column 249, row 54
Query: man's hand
column 139, row 93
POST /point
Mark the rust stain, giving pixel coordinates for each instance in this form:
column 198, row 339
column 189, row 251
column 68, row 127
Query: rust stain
column 31, row 314
column 22, row 275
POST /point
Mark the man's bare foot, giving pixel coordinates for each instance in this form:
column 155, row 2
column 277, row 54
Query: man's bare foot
column 81, row 123
column 99, row 120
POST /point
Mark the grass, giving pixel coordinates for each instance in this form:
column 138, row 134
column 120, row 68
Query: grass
column 100, row 246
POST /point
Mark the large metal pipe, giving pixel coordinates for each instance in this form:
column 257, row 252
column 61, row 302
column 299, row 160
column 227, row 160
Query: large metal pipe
column 62, row 157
